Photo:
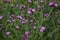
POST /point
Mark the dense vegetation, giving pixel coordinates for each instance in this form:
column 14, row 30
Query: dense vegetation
column 29, row 20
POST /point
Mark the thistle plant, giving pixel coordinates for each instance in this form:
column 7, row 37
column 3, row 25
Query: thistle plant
column 29, row 20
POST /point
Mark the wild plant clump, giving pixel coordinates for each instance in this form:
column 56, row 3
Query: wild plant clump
column 29, row 20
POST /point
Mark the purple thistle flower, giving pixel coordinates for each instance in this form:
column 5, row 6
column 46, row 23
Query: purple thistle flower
column 17, row 27
column 33, row 10
column 11, row 16
column 19, row 17
column 24, row 21
column 39, row 8
column 31, row 24
column 42, row 29
column 31, row 21
column 29, row 12
column 22, row 7
column 8, row 33
column 29, row 1
column 13, row 20
column 29, row 9
column 23, row 37
column 46, row 15
column 1, row 17
column 51, row 3
column 26, row 38
column 27, row 34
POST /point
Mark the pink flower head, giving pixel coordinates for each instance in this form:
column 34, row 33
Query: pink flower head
column 8, row 33
column 29, row 9
column 26, row 38
column 23, row 37
column 17, row 27
column 29, row 1
column 27, row 34
column 42, row 29
column 39, row 8
column 31, row 21
column 29, row 12
column 46, row 15
column 1, row 17
column 31, row 24
column 13, row 20
column 33, row 10
column 51, row 3
column 11, row 16
column 24, row 21
column 20, row 17
column 22, row 7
